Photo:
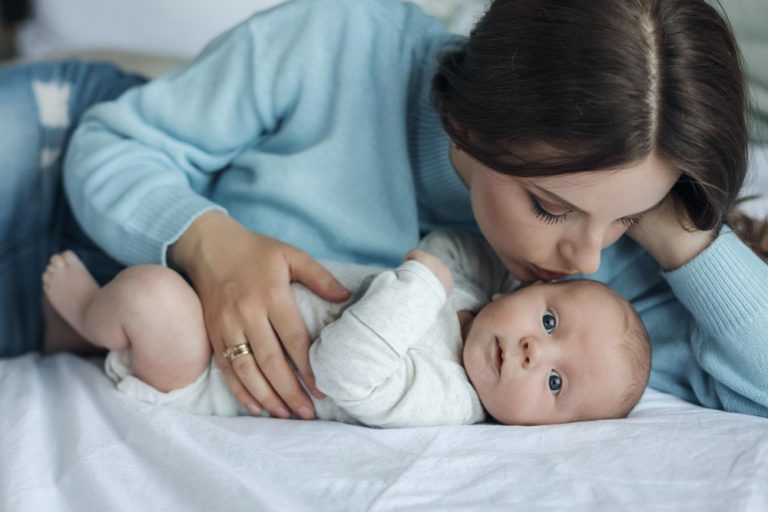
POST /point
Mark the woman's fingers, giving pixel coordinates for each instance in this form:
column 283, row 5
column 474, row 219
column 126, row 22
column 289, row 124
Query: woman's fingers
column 309, row 272
column 243, row 280
column 288, row 323
column 250, row 376
column 290, row 327
column 271, row 364
column 233, row 382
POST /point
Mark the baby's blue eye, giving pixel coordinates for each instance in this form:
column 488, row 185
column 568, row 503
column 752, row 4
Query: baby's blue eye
column 549, row 322
column 555, row 382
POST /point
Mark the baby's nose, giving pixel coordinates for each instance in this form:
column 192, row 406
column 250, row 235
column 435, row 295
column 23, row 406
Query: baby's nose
column 530, row 348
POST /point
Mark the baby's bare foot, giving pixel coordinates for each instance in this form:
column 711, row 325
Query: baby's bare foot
column 69, row 287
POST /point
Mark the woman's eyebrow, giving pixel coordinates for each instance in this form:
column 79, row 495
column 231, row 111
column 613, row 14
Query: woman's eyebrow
column 554, row 197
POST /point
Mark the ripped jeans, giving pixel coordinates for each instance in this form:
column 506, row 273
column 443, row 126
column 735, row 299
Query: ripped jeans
column 40, row 104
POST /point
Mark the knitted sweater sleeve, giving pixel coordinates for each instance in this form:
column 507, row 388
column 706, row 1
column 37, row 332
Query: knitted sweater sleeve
column 725, row 288
column 141, row 169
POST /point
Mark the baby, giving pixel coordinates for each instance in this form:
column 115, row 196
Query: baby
column 419, row 345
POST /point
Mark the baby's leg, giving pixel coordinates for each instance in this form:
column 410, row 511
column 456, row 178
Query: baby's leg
column 149, row 309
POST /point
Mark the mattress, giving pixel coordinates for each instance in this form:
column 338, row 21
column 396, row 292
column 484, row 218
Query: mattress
column 70, row 441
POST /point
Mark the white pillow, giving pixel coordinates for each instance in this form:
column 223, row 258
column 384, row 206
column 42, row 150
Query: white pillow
column 757, row 183
column 174, row 28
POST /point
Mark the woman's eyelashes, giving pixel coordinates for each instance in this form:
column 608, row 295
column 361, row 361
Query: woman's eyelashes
column 544, row 215
column 552, row 218
column 630, row 221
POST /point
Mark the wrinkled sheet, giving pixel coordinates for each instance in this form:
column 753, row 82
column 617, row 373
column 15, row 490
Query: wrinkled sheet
column 70, row 441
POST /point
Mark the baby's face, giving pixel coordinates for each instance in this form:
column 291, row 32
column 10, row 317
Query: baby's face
column 549, row 353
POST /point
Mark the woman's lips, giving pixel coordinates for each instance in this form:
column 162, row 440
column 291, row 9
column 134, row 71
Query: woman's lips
column 547, row 275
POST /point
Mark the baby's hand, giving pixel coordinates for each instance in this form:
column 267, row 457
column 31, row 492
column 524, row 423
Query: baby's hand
column 436, row 266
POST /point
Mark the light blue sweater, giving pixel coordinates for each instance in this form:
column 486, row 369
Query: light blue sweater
column 312, row 123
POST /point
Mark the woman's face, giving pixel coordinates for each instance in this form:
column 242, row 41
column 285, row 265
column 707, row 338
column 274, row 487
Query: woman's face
column 544, row 228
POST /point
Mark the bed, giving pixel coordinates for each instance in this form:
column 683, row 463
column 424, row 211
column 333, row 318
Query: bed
column 70, row 441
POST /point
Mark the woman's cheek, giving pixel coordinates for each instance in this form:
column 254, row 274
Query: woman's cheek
column 614, row 234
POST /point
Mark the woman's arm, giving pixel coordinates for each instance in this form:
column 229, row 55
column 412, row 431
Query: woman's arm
column 141, row 174
column 662, row 232
column 710, row 334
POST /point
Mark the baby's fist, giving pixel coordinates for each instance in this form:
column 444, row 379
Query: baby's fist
column 435, row 266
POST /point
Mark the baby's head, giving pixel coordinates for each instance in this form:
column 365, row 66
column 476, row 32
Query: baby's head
column 556, row 353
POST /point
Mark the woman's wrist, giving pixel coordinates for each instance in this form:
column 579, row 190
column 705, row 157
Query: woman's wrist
column 183, row 253
column 675, row 246
column 667, row 234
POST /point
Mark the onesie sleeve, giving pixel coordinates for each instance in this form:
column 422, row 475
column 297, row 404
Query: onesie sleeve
column 366, row 362
column 360, row 350
column 477, row 271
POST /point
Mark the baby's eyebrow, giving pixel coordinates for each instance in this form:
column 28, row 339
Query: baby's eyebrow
column 554, row 197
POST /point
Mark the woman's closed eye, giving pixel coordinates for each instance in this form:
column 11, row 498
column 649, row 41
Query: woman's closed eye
column 548, row 217
column 544, row 215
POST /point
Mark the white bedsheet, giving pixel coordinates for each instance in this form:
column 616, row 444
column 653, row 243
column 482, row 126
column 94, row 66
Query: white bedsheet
column 70, row 441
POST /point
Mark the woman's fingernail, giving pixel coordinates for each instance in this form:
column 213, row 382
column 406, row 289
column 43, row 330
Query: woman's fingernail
column 305, row 413
column 340, row 289
column 282, row 412
column 253, row 409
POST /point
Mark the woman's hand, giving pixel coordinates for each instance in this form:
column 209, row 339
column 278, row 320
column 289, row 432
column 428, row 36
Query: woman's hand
column 243, row 280
column 662, row 233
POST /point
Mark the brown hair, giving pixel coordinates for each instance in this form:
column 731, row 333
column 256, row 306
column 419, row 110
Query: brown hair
column 545, row 87
column 753, row 232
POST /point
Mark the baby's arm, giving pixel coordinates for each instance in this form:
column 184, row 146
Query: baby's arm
column 360, row 350
column 366, row 362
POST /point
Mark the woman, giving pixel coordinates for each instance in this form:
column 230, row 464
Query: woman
column 344, row 129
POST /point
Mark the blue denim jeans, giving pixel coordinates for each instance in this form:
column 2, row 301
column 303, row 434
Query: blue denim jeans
column 40, row 104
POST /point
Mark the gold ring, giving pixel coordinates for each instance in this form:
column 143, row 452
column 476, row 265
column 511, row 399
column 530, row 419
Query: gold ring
column 233, row 353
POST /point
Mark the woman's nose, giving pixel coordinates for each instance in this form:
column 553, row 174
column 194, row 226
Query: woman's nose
column 583, row 252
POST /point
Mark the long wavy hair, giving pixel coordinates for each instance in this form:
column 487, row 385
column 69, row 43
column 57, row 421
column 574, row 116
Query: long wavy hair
column 551, row 87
